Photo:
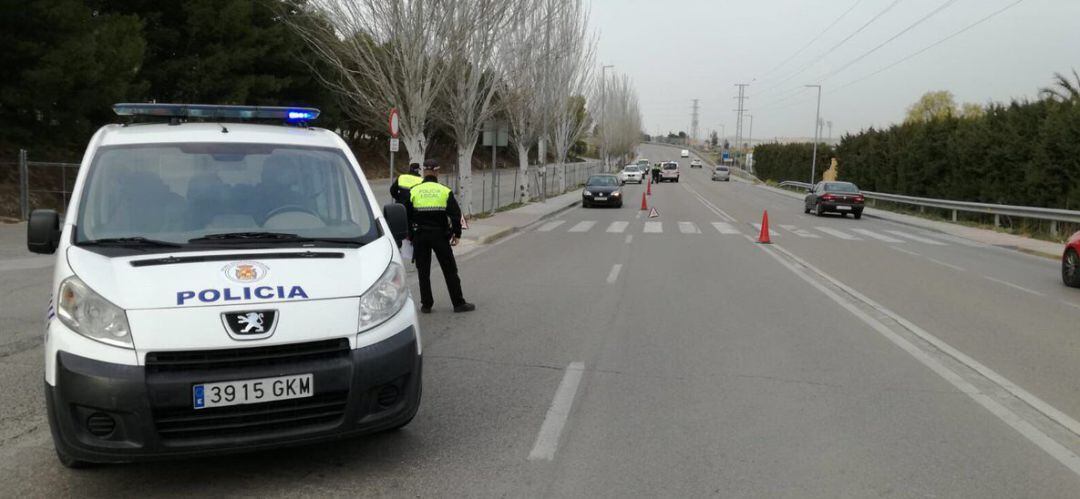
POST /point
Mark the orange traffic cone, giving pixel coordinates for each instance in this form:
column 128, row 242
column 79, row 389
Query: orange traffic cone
column 648, row 187
column 763, row 238
column 644, row 204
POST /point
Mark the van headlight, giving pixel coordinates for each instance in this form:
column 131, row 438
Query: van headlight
column 385, row 298
column 90, row 315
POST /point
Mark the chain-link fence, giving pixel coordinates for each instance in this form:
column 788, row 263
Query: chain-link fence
column 27, row 185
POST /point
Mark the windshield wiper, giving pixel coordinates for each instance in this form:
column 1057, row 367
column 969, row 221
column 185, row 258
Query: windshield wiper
column 269, row 237
column 130, row 242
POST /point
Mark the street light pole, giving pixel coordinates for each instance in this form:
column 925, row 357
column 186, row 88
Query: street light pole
column 603, row 114
column 817, row 130
column 749, row 140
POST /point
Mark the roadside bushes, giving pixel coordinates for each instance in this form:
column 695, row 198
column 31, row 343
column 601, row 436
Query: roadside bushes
column 1024, row 153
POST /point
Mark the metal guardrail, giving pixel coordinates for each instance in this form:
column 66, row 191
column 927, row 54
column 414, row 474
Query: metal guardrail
column 1054, row 215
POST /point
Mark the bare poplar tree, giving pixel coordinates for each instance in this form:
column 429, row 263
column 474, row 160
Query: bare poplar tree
column 621, row 117
column 521, row 96
column 569, row 81
column 385, row 54
column 474, row 81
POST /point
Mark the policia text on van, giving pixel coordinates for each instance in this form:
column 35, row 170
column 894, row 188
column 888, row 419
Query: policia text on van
column 223, row 287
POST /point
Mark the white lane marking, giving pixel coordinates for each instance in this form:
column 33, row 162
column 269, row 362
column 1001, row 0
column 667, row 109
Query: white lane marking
column 629, row 237
column 548, row 227
column 1015, row 286
column 617, row 227
column 800, row 232
column 839, row 234
column 638, row 216
column 875, row 235
column 954, row 239
column 547, row 441
column 725, row 228
column 689, row 228
column 1063, row 455
column 654, row 227
column 773, row 233
column 583, row 226
column 29, row 263
column 614, row 274
column 902, row 250
column 943, row 264
column 913, row 237
column 712, row 207
column 1071, row 304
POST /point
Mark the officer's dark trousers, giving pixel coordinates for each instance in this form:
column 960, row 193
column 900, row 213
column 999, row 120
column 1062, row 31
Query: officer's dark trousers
column 424, row 243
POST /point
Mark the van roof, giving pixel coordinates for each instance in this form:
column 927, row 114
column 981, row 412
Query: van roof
column 158, row 133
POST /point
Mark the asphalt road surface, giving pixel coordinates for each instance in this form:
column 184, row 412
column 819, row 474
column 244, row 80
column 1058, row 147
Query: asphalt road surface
column 616, row 355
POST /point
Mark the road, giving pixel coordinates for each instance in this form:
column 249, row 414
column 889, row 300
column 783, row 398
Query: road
column 615, row 355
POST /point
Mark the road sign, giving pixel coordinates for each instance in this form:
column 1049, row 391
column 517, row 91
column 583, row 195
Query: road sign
column 394, row 145
column 394, row 125
column 727, row 156
column 496, row 134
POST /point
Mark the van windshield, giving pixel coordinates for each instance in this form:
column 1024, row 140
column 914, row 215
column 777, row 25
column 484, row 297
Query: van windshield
column 174, row 193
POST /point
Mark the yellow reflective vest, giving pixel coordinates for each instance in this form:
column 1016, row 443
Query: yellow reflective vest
column 429, row 196
column 408, row 180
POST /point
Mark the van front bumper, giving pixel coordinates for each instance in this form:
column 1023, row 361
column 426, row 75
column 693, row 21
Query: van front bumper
column 105, row 412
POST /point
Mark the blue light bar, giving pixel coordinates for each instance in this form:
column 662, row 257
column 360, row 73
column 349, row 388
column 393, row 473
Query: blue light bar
column 219, row 112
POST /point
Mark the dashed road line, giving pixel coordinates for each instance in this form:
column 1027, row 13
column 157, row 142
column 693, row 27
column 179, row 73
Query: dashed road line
column 1015, row 286
column 547, row 441
column 629, row 238
column 906, row 251
column 614, row 274
column 944, row 264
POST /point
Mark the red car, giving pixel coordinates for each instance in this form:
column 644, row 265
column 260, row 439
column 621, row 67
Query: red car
column 1070, row 262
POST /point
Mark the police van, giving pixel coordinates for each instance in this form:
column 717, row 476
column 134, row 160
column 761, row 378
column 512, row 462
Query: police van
column 224, row 282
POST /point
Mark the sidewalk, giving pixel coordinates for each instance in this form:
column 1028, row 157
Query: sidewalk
column 985, row 236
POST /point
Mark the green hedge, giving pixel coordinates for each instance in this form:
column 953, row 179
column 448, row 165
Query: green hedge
column 1024, row 153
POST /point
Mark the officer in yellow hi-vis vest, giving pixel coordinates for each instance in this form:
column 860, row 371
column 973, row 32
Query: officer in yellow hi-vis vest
column 436, row 226
column 399, row 189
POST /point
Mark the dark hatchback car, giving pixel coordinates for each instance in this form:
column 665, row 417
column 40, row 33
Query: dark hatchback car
column 602, row 190
column 835, row 197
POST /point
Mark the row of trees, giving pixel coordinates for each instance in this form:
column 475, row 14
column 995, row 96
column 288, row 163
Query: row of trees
column 66, row 62
column 462, row 63
column 1024, row 152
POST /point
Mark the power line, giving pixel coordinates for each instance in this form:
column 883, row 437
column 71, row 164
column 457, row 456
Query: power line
column 816, row 38
column 838, row 45
column 932, row 45
column 921, row 20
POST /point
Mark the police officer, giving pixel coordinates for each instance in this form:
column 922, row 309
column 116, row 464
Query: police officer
column 399, row 189
column 656, row 173
column 436, row 226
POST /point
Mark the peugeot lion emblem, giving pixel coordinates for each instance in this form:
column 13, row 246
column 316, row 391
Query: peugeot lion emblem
column 250, row 324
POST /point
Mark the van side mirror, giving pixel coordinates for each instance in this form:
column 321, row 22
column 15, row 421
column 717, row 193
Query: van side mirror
column 398, row 220
column 43, row 231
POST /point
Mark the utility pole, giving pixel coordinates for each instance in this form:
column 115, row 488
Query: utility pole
column 817, row 129
column 694, row 122
column 739, row 115
column 603, row 106
column 829, row 124
column 750, row 134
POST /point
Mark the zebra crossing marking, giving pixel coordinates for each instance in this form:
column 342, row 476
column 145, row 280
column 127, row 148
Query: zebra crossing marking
column 654, row 227
column 688, row 228
column 550, row 226
column 838, row 234
column 617, row 227
column 725, row 228
column 772, row 233
column 583, row 226
column 800, row 232
column 875, row 235
column 913, row 237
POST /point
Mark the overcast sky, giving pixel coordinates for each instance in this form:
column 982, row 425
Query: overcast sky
column 678, row 50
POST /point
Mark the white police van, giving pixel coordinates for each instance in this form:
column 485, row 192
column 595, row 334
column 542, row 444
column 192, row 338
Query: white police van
column 223, row 285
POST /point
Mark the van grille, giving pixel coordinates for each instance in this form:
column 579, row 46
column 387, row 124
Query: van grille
column 194, row 361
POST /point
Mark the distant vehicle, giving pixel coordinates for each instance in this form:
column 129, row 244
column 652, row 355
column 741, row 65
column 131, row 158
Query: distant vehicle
column 837, row 197
column 1070, row 262
column 669, row 172
column 632, row 173
column 686, row 153
column 602, row 189
column 695, row 163
column 643, row 163
column 721, row 172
